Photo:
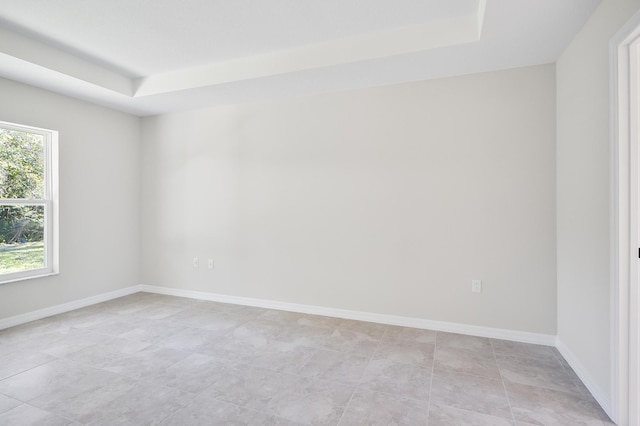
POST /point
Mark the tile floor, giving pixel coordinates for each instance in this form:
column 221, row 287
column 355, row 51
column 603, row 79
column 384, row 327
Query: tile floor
column 153, row 359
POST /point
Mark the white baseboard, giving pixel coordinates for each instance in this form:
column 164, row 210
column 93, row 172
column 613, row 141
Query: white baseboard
column 473, row 330
column 66, row 307
column 601, row 396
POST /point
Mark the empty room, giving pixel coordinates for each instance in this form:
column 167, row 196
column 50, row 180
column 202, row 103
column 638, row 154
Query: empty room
column 303, row 212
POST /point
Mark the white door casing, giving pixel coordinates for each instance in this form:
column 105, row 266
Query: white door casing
column 625, row 240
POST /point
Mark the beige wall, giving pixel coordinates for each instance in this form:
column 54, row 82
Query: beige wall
column 99, row 198
column 583, row 188
column 386, row 200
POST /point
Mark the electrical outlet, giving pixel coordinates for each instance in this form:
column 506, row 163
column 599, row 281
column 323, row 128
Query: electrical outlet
column 476, row 286
column 196, row 262
column 210, row 264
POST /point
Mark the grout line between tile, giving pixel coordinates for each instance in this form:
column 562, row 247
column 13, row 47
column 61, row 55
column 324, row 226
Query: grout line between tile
column 506, row 394
column 433, row 370
column 29, row 369
column 363, row 374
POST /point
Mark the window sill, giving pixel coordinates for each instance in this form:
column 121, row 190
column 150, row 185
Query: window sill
column 30, row 276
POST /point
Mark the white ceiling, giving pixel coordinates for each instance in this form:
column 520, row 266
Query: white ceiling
column 154, row 56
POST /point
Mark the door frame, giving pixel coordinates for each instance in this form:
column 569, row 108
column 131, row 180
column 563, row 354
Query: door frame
column 624, row 62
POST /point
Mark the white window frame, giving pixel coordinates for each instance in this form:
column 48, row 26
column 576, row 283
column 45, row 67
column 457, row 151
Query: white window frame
column 50, row 203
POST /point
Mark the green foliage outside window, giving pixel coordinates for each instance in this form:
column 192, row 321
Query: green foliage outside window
column 21, row 177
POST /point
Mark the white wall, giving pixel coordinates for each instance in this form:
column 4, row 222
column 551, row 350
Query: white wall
column 99, row 198
column 583, row 189
column 386, row 200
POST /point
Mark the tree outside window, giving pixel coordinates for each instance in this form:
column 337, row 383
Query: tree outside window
column 25, row 201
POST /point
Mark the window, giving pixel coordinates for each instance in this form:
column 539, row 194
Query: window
column 28, row 202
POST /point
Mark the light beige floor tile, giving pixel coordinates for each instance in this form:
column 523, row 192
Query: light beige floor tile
column 460, row 341
column 534, row 372
column 157, row 311
column 407, row 352
column 311, row 402
column 335, row 366
column 443, row 415
column 406, row 380
column 523, row 350
column 372, row 330
column 378, row 409
column 249, row 387
column 9, row 337
column 26, row 415
column 320, row 321
column 241, row 349
column 349, row 340
column 263, row 419
column 567, row 368
column 57, row 343
column 123, row 305
column 470, row 393
column 160, row 298
column 396, row 333
column 306, row 335
column 257, row 331
column 147, row 362
column 154, row 331
column 74, row 405
column 466, row 361
column 104, row 323
column 206, row 412
column 7, row 403
column 209, row 305
column 106, row 352
column 547, row 407
column 189, row 339
column 288, row 319
column 191, row 374
column 281, row 356
column 53, row 380
column 243, row 313
column 60, row 344
column 17, row 362
column 183, row 302
column 217, row 322
column 140, row 405
column 34, row 329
